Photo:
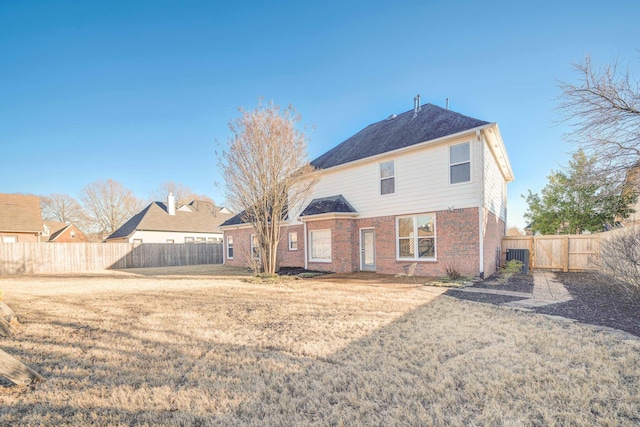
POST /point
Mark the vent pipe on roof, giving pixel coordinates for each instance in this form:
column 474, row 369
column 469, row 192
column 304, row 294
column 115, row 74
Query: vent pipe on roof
column 419, row 106
column 415, row 106
column 171, row 204
column 447, row 103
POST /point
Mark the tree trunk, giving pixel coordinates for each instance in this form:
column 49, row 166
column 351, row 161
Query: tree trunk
column 16, row 371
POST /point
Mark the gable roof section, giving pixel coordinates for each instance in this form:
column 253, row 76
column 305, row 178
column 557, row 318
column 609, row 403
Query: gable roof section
column 404, row 130
column 20, row 213
column 325, row 205
column 204, row 217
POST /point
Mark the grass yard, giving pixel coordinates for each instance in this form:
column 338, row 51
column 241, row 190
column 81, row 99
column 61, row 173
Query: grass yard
column 138, row 348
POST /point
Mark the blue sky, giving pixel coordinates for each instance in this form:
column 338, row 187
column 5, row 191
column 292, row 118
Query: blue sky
column 140, row 91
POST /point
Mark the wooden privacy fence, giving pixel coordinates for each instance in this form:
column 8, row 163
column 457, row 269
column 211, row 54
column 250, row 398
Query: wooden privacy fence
column 30, row 258
column 563, row 252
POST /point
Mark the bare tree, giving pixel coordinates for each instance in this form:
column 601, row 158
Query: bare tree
column 603, row 109
column 108, row 205
column 620, row 257
column 266, row 170
column 62, row 208
column 182, row 193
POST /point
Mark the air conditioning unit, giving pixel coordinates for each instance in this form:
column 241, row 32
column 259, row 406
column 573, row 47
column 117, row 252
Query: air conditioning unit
column 521, row 255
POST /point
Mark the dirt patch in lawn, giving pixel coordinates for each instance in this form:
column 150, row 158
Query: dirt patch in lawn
column 140, row 350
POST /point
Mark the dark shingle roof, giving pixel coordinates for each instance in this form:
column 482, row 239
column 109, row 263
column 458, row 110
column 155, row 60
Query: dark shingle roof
column 234, row 220
column 404, row 130
column 203, row 217
column 333, row 204
column 20, row 213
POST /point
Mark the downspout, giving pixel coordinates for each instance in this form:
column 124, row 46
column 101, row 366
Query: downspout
column 481, row 207
column 306, row 253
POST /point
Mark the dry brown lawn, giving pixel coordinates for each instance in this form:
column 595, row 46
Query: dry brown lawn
column 135, row 348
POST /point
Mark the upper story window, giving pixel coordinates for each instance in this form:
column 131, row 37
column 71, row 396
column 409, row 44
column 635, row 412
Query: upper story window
column 387, row 177
column 459, row 163
column 188, row 239
column 171, row 241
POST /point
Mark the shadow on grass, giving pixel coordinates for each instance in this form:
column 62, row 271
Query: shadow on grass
column 159, row 359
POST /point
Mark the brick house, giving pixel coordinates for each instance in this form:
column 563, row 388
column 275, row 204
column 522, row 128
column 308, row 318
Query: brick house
column 20, row 218
column 427, row 186
column 61, row 232
column 196, row 222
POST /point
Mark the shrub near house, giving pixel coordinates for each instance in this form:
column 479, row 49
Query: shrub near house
column 425, row 186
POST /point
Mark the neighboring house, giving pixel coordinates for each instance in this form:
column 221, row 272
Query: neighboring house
column 196, row 222
column 61, row 232
column 20, row 218
column 427, row 186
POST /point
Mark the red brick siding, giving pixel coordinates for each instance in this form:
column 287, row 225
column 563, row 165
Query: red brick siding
column 287, row 258
column 457, row 244
column 344, row 249
column 241, row 246
column 494, row 231
column 65, row 237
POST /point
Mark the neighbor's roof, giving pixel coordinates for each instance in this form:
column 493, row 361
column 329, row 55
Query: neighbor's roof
column 20, row 213
column 333, row 204
column 404, row 130
column 56, row 228
column 201, row 217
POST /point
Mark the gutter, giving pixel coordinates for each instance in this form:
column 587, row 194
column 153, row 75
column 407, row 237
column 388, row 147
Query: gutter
column 481, row 207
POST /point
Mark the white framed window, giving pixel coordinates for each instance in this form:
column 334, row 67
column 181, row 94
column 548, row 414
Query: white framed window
column 137, row 241
column 188, row 239
column 9, row 239
column 73, row 234
column 211, row 240
column 293, row 241
column 229, row 247
column 460, row 163
column 387, row 177
column 255, row 247
column 201, row 240
column 171, row 241
column 416, row 237
column 320, row 245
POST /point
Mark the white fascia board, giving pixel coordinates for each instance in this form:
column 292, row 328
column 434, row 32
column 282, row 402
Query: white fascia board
column 332, row 215
column 499, row 151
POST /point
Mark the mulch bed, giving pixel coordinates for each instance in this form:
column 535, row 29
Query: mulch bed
column 517, row 283
column 596, row 300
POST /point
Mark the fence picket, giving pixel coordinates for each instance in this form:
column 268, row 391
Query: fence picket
column 29, row 258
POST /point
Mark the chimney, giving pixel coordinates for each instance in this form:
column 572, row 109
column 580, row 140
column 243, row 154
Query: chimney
column 171, row 204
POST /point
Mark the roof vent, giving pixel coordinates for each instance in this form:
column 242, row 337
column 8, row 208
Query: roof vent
column 391, row 117
column 416, row 105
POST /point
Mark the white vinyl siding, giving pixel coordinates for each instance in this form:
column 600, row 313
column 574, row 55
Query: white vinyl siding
column 495, row 186
column 178, row 237
column 320, row 245
column 421, row 181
